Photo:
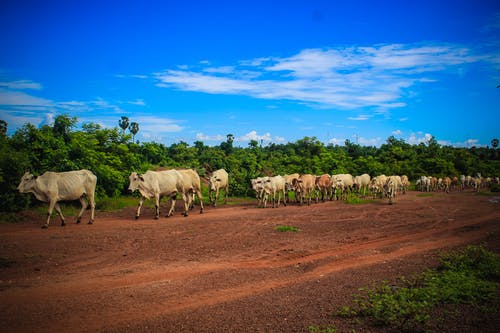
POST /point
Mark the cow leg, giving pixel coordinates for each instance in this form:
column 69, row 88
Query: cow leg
column 59, row 211
column 138, row 212
column 187, row 197
column 92, row 207
column 49, row 212
column 215, row 196
column 157, row 206
column 201, row 201
column 84, row 204
column 226, row 194
column 173, row 198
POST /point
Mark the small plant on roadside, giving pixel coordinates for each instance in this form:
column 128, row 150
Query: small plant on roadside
column 469, row 276
column 354, row 199
column 286, row 228
column 321, row 329
column 425, row 194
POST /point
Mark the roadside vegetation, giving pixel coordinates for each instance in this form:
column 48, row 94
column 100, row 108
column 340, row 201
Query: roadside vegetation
column 112, row 154
column 465, row 279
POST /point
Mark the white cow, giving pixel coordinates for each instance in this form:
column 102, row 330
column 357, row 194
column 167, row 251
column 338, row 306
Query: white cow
column 53, row 187
column 344, row 182
column 258, row 188
column 377, row 185
column 271, row 186
column 191, row 185
column 155, row 184
column 304, row 187
column 217, row 181
column 361, row 183
column 392, row 187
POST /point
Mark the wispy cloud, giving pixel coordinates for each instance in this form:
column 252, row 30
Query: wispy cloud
column 21, row 84
column 348, row 78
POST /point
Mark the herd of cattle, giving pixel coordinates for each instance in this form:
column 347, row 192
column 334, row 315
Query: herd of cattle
column 53, row 187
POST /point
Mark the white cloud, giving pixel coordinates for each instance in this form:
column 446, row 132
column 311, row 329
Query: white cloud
column 397, row 132
column 360, row 117
column 203, row 137
column 254, row 136
column 21, row 85
column 417, row 138
column 353, row 77
column 139, row 102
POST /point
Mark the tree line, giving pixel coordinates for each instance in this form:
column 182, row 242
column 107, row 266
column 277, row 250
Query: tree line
column 112, row 155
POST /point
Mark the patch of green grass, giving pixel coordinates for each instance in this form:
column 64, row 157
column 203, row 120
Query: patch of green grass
column 286, row 228
column 354, row 199
column 425, row 194
column 469, row 277
column 321, row 329
column 116, row 203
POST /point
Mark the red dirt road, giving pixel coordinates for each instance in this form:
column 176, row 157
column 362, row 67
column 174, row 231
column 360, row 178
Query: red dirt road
column 227, row 270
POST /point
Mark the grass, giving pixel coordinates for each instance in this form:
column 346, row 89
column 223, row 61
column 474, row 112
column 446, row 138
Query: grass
column 425, row 194
column 354, row 199
column 286, row 228
column 470, row 276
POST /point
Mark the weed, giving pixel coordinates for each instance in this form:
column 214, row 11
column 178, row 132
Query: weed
column 354, row 199
column 286, row 228
column 321, row 329
column 463, row 277
column 425, row 194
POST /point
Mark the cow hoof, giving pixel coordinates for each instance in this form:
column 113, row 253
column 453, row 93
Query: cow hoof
column 63, row 224
column 78, row 221
column 45, row 226
column 156, row 217
column 91, row 222
column 137, row 217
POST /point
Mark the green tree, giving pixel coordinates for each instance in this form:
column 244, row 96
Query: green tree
column 3, row 128
column 134, row 128
column 124, row 123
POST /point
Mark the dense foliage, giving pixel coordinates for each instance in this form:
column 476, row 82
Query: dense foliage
column 112, row 154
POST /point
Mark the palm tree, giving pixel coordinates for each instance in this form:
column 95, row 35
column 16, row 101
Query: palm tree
column 133, row 128
column 494, row 143
column 124, row 123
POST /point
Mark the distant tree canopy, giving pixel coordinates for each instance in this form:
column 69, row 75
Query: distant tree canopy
column 112, row 156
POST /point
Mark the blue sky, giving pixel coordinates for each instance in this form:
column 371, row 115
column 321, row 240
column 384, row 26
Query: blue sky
column 275, row 71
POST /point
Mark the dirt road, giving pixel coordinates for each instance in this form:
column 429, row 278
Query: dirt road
column 227, row 270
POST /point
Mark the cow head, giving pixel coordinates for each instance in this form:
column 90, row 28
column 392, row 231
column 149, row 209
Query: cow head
column 28, row 182
column 134, row 180
column 214, row 183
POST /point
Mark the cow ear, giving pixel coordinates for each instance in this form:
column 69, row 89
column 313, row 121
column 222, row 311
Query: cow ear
column 141, row 177
column 218, row 179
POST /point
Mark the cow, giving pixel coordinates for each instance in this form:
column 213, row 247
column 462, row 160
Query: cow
column 156, row 184
column 258, row 188
column 324, row 186
column 217, row 181
column 392, row 187
column 272, row 186
column 53, row 187
column 289, row 185
column 344, row 182
column 377, row 185
column 191, row 185
column 361, row 183
column 405, row 183
column 304, row 187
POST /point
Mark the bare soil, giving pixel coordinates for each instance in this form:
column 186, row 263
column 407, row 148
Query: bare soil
column 229, row 269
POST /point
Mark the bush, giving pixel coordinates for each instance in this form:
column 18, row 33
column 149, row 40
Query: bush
column 463, row 277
